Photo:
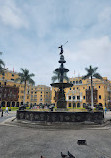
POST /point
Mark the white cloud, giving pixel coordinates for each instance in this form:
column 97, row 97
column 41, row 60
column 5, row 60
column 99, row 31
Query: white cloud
column 11, row 15
column 96, row 49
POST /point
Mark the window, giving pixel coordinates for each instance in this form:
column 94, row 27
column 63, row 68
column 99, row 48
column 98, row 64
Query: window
column 78, row 105
column 76, row 82
column 31, row 92
column 69, row 104
column 69, row 97
column 5, row 83
column 41, row 95
column 78, row 97
column 73, row 82
column 99, row 96
column 12, row 79
column 80, row 81
column 84, row 105
column 83, row 97
column 12, row 74
column 74, row 105
column 83, row 87
column 27, row 97
column 99, row 86
column 77, row 88
column 73, row 97
column 0, row 83
column 3, row 74
column 73, row 88
column 41, row 92
column 70, row 81
column 35, row 92
column 70, row 88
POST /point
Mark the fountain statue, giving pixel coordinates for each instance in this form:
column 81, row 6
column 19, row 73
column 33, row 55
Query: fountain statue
column 60, row 98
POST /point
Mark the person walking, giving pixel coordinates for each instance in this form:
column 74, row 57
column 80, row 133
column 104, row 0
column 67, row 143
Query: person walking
column 6, row 110
column 105, row 110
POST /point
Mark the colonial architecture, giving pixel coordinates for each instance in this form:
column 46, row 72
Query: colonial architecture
column 10, row 88
column 78, row 95
column 40, row 94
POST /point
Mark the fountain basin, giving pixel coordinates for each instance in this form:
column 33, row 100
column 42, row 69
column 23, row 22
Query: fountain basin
column 61, row 85
column 45, row 116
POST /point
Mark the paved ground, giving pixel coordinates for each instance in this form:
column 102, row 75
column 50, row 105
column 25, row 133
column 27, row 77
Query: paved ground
column 26, row 142
column 6, row 116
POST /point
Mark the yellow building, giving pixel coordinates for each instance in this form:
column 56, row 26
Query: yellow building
column 76, row 95
column 40, row 94
column 34, row 94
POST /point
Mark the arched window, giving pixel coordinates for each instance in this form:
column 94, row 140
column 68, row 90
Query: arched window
column 17, row 104
column 73, row 97
column 8, row 104
column 74, row 105
column 76, row 82
column 80, row 82
column 3, row 104
column 73, row 82
column 78, row 105
column 13, row 104
column 69, row 105
column 84, row 105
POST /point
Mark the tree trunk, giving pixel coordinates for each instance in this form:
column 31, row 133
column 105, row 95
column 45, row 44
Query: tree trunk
column 92, row 92
column 24, row 93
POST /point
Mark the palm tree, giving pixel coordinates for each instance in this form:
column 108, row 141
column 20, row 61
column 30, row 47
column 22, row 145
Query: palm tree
column 91, row 72
column 57, row 76
column 25, row 77
column 1, row 65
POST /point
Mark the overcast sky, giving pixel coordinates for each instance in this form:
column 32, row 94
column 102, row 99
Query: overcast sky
column 32, row 30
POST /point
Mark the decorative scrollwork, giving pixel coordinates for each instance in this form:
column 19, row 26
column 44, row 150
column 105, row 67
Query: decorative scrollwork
column 53, row 118
column 36, row 117
column 61, row 118
column 31, row 117
column 67, row 118
column 42, row 117
column 21, row 115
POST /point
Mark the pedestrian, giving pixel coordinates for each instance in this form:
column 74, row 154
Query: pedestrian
column 105, row 110
column 6, row 110
column 2, row 112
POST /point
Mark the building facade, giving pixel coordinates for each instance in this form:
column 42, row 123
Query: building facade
column 8, row 79
column 76, row 96
column 40, row 95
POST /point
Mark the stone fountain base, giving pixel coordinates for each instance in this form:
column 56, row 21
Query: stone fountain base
column 63, row 116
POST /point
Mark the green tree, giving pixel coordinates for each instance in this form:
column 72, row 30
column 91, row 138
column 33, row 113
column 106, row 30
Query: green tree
column 2, row 64
column 91, row 72
column 25, row 77
column 57, row 76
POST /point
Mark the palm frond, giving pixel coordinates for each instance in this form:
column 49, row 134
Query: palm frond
column 98, row 76
column 1, row 62
column 31, row 81
column 86, row 76
column 54, row 78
